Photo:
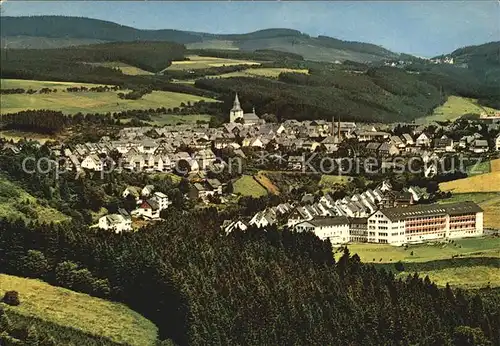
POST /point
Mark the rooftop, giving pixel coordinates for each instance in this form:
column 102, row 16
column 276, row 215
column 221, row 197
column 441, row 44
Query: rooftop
column 399, row 213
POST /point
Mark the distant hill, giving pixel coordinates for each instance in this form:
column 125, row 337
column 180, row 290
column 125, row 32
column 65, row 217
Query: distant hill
column 488, row 53
column 60, row 31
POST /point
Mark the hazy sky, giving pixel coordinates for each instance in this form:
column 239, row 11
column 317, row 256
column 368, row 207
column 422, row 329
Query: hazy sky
column 424, row 28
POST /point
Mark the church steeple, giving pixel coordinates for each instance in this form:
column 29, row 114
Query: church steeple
column 236, row 112
column 236, row 103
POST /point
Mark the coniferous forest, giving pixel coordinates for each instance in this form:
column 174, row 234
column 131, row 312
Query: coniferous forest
column 257, row 287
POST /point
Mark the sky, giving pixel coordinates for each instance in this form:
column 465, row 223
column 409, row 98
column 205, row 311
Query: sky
column 423, row 28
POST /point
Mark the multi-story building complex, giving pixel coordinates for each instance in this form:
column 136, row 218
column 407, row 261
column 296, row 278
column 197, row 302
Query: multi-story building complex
column 401, row 225
column 420, row 223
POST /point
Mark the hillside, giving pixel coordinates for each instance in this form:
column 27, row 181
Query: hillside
column 73, row 318
column 57, row 31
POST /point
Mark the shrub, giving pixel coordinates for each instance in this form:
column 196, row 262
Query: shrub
column 11, row 298
column 399, row 266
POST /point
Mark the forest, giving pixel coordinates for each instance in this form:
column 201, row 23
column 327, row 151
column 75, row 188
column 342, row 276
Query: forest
column 255, row 288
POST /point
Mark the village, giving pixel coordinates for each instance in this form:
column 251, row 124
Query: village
column 195, row 151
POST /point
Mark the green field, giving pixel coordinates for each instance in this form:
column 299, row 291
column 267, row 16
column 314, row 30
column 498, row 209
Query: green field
column 77, row 311
column 454, row 108
column 16, row 203
column 464, row 277
column 247, row 186
column 469, row 247
column 261, row 72
column 16, row 136
column 125, row 68
column 100, row 102
column 482, row 167
column 37, row 84
column 200, row 62
column 330, row 182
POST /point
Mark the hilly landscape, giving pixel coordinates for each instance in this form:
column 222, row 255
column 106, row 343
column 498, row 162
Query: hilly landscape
column 279, row 71
column 58, row 31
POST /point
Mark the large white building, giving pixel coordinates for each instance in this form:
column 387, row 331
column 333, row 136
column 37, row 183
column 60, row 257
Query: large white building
column 401, row 225
column 334, row 228
column 421, row 223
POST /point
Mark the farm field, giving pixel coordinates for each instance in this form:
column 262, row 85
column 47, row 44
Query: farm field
column 100, row 102
column 125, row 68
column 489, row 182
column 454, row 108
column 468, row 247
column 199, row 62
column 482, row 167
column 489, row 201
column 464, row 277
column 495, row 165
column 37, row 84
column 261, row 72
column 16, row 203
column 78, row 311
column 247, row 186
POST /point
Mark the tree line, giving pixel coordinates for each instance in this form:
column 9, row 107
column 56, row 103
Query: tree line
column 255, row 287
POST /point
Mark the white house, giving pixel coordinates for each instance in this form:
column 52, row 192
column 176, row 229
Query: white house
column 147, row 190
column 497, row 143
column 116, row 223
column 423, row 140
column 336, row 229
column 92, row 162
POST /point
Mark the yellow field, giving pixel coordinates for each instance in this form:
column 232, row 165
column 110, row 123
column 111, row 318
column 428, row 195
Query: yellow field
column 495, row 165
column 454, row 108
column 260, row 72
column 489, row 182
column 125, row 68
column 91, row 102
column 267, row 183
column 199, row 62
column 79, row 311
column 37, row 84
column 16, row 136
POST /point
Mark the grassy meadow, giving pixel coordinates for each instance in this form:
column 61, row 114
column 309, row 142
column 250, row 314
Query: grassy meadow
column 263, row 180
column 454, row 108
column 85, row 102
column 37, row 84
column 248, row 186
column 467, row 247
column 16, row 203
column 271, row 72
column 125, row 68
column 489, row 182
column 200, row 62
column 213, row 44
column 332, row 182
column 78, row 311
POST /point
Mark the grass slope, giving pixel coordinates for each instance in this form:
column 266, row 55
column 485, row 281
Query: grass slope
column 454, row 108
column 16, row 203
column 38, row 84
column 333, row 182
column 248, row 186
column 85, row 102
column 468, row 247
column 271, row 72
column 477, row 183
column 79, row 311
column 125, row 68
column 200, row 62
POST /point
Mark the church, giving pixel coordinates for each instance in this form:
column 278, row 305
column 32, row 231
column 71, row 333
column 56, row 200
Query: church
column 236, row 114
